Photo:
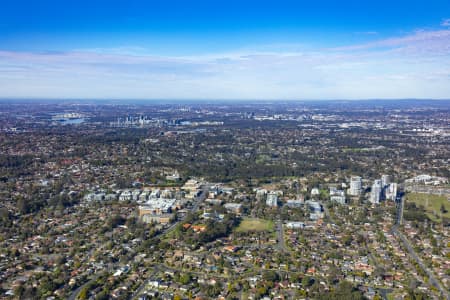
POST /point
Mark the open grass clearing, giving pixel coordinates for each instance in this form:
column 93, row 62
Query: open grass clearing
column 431, row 203
column 255, row 225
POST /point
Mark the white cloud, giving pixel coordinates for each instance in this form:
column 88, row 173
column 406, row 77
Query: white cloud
column 445, row 22
column 372, row 32
column 437, row 41
column 415, row 65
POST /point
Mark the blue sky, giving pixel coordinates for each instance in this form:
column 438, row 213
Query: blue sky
column 225, row 49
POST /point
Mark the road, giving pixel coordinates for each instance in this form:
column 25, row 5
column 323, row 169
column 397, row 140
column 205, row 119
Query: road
column 412, row 252
column 399, row 218
column 431, row 279
column 136, row 293
column 75, row 293
column 280, row 237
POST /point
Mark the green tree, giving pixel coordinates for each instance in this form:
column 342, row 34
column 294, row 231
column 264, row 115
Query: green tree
column 177, row 297
column 83, row 295
column 307, row 281
column 271, row 276
column 185, row 278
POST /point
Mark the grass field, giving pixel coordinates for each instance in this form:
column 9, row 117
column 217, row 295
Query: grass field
column 253, row 224
column 431, row 203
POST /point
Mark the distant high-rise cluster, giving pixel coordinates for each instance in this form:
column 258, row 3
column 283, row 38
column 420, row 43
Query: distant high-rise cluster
column 383, row 189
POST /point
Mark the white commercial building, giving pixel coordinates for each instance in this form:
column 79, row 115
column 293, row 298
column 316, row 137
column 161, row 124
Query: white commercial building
column 315, row 210
column 294, row 203
column 272, row 199
column 315, row 192
column 261, row 194
column 295, row 225
column 337, row 195
column 233, row 207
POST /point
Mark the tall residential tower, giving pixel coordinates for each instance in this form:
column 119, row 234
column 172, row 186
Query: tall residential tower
column 375, row 194
column 355, row 186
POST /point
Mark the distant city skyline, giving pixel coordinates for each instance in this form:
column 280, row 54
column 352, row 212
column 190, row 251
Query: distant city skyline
column 227, row 50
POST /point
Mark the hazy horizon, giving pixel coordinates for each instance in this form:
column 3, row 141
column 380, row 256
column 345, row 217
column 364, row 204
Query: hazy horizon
column 155, row 101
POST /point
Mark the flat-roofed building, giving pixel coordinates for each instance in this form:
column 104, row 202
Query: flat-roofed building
column 160, row 219
column 272, row 199
column 233, row 207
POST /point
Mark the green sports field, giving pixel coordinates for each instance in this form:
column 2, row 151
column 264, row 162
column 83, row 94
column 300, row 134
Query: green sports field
column 255, row 224
column 431, row 203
